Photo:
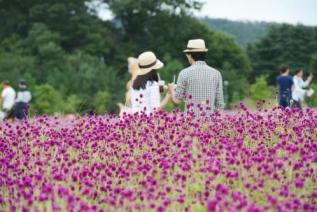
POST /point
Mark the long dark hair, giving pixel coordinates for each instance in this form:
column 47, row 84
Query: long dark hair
column 141, row 80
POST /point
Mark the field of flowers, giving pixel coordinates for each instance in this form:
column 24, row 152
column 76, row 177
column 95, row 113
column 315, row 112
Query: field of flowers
column 243, row 160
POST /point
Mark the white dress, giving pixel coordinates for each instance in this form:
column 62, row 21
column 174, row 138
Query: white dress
column 298, row 93
column 147, row 100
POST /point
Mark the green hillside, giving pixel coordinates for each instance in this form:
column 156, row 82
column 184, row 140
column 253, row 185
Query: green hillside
column 244, row 32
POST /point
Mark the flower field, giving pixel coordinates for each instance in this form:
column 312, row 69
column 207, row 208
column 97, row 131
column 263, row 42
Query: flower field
column 244, row 160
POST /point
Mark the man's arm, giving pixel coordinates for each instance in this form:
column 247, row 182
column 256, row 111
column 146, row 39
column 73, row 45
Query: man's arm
column 178, row 92
column 171, row 91
column 219, row 103
column 166, row 100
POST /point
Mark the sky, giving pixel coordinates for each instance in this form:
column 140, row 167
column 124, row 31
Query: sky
column 281, row 11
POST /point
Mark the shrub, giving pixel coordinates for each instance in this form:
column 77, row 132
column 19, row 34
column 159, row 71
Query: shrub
column 260, row 89
column 313, row 100
column 47, row 100
column 100, row 101
column 71, row 104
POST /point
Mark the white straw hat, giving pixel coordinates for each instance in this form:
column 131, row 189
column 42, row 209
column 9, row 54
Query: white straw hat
column 196, row 45
column 148, row 62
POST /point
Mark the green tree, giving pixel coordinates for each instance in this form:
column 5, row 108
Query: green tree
column 63, row 44
column 313, row 64
column 15, row 66
column 84, row 75
column 284, row 44
column 171, row 69
column 74, row 20
column 45, row 46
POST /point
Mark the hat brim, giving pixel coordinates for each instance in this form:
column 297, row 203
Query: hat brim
column 159, row 64
column 195, row 50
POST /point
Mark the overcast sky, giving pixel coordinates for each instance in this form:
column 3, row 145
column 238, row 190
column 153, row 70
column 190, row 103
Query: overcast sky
column 282, row 11
column 289, row 11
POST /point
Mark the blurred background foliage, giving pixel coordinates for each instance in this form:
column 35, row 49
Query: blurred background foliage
column 75, row 62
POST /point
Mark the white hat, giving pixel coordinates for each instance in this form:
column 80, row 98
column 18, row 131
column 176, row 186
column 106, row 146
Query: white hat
column 196, row 45
column 148, row 62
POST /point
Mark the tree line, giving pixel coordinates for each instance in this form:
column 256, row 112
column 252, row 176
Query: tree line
column 74, row 61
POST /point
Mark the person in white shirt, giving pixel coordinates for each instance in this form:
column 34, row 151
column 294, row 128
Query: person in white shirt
column 299, row 92
column 133, row 67
column 7, row 100
column 145, row 93
column 23, row 99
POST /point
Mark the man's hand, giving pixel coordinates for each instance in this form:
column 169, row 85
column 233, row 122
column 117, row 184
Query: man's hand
column 171, row 91
column 171, row 88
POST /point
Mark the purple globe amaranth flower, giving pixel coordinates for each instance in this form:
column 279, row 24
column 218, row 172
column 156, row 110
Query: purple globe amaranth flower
column 104, row 158
column 212, row 205
column 299, row 182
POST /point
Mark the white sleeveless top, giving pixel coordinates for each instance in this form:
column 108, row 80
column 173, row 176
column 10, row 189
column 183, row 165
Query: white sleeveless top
column 147, row 99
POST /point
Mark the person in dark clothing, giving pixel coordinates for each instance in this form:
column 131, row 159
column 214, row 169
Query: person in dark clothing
column 285, row 83
column 22, row 101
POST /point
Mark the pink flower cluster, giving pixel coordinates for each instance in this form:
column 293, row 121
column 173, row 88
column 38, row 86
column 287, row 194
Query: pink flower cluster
column 244, row 160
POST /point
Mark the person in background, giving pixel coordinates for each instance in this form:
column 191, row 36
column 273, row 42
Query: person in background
column 285, row 83
column 133, row 68
column 145, row 93
column 299, row 91
column 199, row 83
column 7, row 100
column 22, row 102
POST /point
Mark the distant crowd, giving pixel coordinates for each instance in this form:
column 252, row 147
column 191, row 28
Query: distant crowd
column 14, row 104
column 292, row 89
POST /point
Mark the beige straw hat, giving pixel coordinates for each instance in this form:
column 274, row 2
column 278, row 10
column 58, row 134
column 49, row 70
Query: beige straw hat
column 196, row 45
column 148, row 62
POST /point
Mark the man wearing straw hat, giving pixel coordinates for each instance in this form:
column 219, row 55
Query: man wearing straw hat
column 199, row 83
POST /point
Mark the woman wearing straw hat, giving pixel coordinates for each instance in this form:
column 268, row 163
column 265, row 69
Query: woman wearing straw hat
column 145, row 94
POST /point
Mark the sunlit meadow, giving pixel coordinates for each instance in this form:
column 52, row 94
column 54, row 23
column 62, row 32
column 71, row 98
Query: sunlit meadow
column 243, row 160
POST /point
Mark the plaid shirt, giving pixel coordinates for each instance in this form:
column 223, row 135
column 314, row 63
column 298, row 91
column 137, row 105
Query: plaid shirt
column 201, row 84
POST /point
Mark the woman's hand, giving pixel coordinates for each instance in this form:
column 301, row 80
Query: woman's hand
column 310, row 78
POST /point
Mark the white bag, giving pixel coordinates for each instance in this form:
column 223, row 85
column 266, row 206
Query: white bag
column 310, row 92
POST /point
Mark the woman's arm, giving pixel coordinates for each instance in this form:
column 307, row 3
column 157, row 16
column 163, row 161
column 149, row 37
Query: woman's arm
column 298, row 87
column 167, row 99
column 308, row 81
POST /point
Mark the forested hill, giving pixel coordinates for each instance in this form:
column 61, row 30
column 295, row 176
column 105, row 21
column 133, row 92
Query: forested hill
column 244, row 32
